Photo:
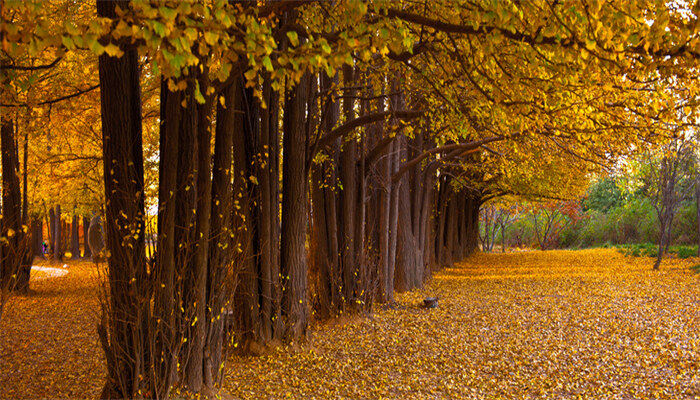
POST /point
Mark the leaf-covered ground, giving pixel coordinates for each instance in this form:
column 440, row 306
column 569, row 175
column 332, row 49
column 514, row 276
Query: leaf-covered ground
column 563, row 324
column 48, row 342
column 533, row 325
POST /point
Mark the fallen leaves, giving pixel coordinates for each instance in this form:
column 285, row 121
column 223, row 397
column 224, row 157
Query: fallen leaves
column 48, row 342
column 589, row 324
column 558, row 324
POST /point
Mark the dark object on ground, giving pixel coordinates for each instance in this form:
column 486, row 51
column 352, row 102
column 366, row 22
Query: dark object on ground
column 430, row 302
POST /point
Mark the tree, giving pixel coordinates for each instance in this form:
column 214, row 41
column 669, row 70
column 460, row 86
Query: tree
column 667, row 183
column 124, row 328
column 549, row 219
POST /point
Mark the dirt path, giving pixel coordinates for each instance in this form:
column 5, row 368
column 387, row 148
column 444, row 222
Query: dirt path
column 49, row 272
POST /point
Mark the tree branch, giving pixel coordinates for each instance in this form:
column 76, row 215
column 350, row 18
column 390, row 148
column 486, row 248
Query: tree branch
column 458, row 148
column 347, row 127
column 56, row 100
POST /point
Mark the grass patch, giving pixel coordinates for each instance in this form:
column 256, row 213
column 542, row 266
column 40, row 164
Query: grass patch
column 651, row 250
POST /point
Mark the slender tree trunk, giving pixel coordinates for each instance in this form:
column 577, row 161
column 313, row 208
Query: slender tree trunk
column 167, row 344
column 123, row 330
column 220, row 254
column 393, row 223
column 269, row 280
column 57, row 235
column 275, row 226
column 75, row 237
column 441, row 222
column 384, row 215
column 405, row 264
column 348, row 195
column 196, row 276
column 86, row 246
column 51, row 230
column 247, row 299
column 293, row 261
column 326, row 254
column 25, row 196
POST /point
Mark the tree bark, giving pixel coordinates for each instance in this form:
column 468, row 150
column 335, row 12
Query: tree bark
column 75, row 237
column 196, row 276
column 86, row 246
column 348, row 196
column 51, row 230
column 220, row 254
column 246, row 195
column 167, row 343
column 294, row 216
column 123, row 330
column 326, row 255
column 384, row 229
column 57, row 235
column 14, row 273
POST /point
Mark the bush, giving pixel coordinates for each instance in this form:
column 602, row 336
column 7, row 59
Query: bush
column 685, row 251
column 685, row 228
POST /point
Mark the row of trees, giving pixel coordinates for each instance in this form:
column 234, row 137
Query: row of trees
column 640, row 202
column 316, row 155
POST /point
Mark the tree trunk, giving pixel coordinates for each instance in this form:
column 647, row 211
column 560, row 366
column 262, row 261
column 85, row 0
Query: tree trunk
column 393, row 223
column 247, row 305
column 326, row 256
column 86, row 245
column 166, row 293
column 57, row 235
column 294, row 182
column 15, row 270
column 123, row 330
column 25, row 197
column 51, row 230
column 407, row 251
column 348, row 196
column 75, row 237
column 220, row 254
column 195, row 304
column 385, row 165
column 268, row 215
column 186, row 241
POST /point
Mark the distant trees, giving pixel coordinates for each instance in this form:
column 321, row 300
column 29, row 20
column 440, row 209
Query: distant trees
column 494, row 219
column 603, row 195
column 667, row 180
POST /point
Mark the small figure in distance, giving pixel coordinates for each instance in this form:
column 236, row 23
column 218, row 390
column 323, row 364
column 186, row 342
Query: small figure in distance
column 96, row 239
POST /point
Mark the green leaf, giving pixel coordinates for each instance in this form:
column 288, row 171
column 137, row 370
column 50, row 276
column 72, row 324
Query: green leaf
column 113, row 50
column 293, row 38
column 198, row 94
column 68, row 42
column 159, row 28
column 96, row 47
column 168, row 13
column 267, row 63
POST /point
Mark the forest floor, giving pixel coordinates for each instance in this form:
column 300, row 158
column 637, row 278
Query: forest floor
column 589, row 324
